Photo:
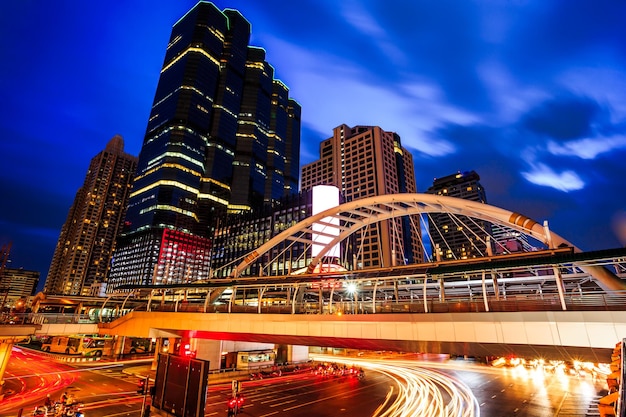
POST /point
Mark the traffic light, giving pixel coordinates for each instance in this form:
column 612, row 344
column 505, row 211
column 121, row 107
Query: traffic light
column 141, row 386
column 232, row 403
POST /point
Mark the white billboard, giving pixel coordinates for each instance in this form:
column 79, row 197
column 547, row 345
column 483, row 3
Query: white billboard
column 324, row 198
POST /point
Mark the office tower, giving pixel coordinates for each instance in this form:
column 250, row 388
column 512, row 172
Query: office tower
column 457, row 237
column 87, row 240
column 17, row 284
column 222, row 137
column 365, row 161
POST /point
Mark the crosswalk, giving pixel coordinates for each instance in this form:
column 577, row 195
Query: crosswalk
column 578, row 406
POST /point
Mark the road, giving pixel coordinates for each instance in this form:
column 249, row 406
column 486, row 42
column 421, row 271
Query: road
column 393, row 386
column 32, row 376
column 497, row 392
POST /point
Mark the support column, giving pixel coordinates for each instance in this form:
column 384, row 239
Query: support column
column 395, row 291
column 559, row 286
column 442, row 290
column 496, row 287
column 118, row 346
column 320, row 301
column 425, row 294
column 158, row 348
column 297, row 353
column 485, row 293
column 374, row 297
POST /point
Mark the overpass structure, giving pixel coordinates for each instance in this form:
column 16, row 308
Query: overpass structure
column 556, row 302
column 523, row 313
column 400, row 308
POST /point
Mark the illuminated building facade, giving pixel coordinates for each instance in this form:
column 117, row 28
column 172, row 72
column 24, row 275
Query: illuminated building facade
column 238, row 235
column 457, row 238
column 17, row 284
column 83, row 252
column 223, row 137
column 366, row 161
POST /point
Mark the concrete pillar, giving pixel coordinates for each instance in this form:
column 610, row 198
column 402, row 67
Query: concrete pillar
column 158, row 348
column 118, row 346
column 161, row 348
column 297, row 353
column 208, row 350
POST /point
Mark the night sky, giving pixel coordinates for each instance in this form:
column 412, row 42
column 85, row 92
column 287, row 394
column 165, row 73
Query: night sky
column 531, row 94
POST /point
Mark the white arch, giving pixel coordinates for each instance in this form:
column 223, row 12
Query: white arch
column 357, row 214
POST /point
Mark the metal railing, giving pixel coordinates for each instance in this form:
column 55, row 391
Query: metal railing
column 579, row 301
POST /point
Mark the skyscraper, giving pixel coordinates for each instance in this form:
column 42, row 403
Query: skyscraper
column 87, row 240
column 222, row 137
column 454, row 237
column 17, row 284
column 365, row 161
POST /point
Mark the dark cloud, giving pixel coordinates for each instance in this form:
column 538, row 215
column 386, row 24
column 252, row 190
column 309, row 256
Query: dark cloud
column 564, row 117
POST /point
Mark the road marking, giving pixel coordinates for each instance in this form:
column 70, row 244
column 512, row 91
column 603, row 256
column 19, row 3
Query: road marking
column 283, row 403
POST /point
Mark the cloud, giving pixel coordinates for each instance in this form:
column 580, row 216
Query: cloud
column 558, row 133
column 366, row 23
column 608, row 85
column 340, row 91
column 588, row 148
column 541, row 174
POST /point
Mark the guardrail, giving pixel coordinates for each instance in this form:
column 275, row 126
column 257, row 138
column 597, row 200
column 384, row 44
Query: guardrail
column 580, row 301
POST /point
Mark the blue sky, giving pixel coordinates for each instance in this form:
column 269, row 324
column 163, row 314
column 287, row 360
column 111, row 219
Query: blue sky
column 531, row 94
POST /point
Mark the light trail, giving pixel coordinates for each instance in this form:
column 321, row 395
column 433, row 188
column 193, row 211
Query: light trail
column 421, row 392
column 39, row 384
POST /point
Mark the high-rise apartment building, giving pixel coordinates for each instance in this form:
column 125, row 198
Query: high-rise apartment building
column 456, row 237
column 87, row 240
column 365, row 161
column 223, row 137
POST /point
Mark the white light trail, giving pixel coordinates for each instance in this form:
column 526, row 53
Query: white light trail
column 421, row 392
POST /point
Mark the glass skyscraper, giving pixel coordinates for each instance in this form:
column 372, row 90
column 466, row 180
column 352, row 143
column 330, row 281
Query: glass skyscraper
column 223, row 137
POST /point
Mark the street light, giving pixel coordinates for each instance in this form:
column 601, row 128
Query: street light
column 351, row 289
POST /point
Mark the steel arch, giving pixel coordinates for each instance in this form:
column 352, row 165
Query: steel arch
column 357, row 214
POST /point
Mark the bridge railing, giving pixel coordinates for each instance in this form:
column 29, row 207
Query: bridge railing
column 50, row 318
column 579, row 301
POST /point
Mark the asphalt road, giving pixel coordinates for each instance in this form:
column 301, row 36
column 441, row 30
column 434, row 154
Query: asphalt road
column 106, row 390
